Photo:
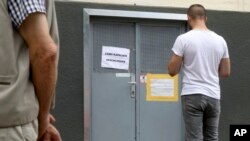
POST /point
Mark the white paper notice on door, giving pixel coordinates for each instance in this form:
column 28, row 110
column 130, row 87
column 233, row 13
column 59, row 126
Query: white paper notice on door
column 115, row 57
column 162, row 87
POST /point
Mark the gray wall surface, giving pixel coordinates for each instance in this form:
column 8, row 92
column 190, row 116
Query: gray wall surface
column 233, row 26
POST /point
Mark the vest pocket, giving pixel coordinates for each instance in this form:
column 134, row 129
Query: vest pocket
column 5, row 80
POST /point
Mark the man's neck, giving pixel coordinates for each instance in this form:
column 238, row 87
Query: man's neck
column 199, row 25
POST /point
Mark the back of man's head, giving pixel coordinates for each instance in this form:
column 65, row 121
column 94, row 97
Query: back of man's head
column 197, row 11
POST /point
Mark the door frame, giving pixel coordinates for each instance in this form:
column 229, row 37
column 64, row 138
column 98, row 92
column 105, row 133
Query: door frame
column 87, row 49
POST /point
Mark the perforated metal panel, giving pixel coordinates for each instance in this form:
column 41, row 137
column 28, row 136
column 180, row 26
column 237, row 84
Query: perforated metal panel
column 133, row 118
column 113, row 108
column 116, row 35
column 156, row 43
column 161, row 121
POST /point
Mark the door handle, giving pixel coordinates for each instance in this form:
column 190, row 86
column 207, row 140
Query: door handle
column 133, row 85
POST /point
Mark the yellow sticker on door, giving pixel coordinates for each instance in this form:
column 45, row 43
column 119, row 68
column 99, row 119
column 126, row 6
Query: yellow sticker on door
column 162, row 87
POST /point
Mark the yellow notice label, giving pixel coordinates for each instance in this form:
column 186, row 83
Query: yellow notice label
column 162, row 87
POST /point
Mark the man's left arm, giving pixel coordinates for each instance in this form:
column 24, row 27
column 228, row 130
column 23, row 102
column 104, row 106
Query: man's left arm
column 43, row 59
column 225, row 67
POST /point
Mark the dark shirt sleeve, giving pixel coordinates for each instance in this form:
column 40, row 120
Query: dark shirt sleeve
column 20, row 9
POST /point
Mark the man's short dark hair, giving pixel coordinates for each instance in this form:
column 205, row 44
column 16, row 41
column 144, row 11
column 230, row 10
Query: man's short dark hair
column 197, row 11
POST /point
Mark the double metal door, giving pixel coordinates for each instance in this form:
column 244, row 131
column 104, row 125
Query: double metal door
column 119, row 110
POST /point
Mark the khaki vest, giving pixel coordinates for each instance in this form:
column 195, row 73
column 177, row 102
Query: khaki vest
column 18, row 102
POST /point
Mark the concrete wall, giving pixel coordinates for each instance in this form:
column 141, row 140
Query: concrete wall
column 233, row 26
column 228, row 5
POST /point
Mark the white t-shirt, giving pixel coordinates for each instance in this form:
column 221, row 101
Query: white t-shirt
column 202, row 51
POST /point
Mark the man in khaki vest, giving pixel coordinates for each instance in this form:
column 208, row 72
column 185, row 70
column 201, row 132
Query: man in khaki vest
column 28, row 69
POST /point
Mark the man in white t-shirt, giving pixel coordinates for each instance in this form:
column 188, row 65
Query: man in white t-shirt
column 203, row 56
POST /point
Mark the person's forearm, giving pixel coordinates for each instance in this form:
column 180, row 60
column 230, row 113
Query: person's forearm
column 44, row 76
column 43, row 59
column 224, row 67
column 172, row 70
column 174, row 65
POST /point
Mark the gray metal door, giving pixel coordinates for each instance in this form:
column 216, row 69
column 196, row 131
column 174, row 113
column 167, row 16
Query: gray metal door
column 113, row 104
column 157, row 121
column 118, row 114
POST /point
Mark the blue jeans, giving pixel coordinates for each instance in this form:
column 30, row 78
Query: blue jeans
column 201, row 116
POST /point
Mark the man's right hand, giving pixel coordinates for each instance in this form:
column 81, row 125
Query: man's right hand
column 47, row 131
column 51, row 134
column 43, row 123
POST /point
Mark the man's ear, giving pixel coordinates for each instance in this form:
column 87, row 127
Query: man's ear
column 189, row 22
